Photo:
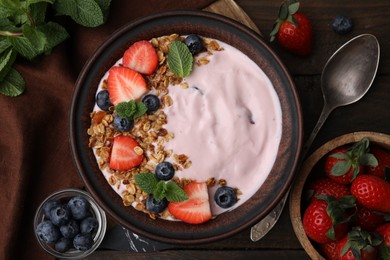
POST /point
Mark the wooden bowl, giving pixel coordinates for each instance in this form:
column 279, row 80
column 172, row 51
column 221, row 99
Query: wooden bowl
column 306, row 173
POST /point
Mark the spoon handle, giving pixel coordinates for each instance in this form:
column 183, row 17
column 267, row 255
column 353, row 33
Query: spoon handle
column 326, row 110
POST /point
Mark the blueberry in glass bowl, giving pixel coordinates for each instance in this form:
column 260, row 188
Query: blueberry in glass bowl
column 69, row 224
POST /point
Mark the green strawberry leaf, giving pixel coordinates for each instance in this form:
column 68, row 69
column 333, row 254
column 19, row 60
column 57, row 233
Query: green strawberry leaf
column 368, row 159
column 346, row 247
column 146, row 181
column 13, row 84
column 340, row 168
column 180, row 59
column 293, row 8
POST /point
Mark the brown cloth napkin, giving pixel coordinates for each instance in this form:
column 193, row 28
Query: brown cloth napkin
column 35, row 156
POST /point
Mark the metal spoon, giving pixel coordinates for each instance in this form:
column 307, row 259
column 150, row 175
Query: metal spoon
column 345, row 79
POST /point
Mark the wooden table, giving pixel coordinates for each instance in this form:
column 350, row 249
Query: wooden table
column 371, row 113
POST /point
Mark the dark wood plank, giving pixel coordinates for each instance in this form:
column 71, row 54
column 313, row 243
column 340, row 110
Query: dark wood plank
column 193, row 254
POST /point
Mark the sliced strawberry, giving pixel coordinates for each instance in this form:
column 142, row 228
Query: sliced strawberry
column 196, row 209
column 125, row 84
column 142, row 57
column 123, row 154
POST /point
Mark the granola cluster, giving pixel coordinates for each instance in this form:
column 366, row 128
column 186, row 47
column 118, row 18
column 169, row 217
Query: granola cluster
column 148, row 130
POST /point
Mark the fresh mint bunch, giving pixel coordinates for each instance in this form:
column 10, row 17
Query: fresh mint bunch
column 25, row 32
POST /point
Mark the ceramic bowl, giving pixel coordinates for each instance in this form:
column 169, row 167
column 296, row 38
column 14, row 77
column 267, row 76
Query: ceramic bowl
column 311, row 169
column 96, row 211
column 212, row 26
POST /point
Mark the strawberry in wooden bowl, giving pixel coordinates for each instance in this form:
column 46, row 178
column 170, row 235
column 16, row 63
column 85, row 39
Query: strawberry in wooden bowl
column 339, row 205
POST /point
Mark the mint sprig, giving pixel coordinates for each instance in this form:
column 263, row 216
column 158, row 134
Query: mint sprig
column 159, row 188
column 131, row 109
column 26, row 32
column 180, row 59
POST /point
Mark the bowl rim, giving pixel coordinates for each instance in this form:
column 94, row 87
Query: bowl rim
column 98, row 237
column 304, row 172
column 297, row 142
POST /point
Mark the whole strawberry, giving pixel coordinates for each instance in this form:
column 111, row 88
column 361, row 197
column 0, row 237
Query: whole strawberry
column 293, row 29
column 325, row 220
column 329, row 250
column 359, row 244
column 344, row 163
column 368, row 219
column 372, row 192
column 384, row 249
column 327, row 187
column 383, row 158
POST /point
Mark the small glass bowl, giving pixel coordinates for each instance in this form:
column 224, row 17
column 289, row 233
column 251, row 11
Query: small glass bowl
column 97, row 212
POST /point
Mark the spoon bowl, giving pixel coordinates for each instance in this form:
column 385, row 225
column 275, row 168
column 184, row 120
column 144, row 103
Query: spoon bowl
column 350, row 71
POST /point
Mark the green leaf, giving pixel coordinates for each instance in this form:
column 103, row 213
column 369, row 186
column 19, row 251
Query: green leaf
column 160, row 190
column 30, row 2
column 6, row 61
column 38, row 12
column 368, row 159
column 146, row 181
column 55, row 34
column 105, row 7
column 275, row 29
column 180, row 59
column 13, row 84
column 4, row 45
column 11, row 4
column 346, row 247
column 36, row 38
column 24, row 47
column 83, row 12
column 131, row 109
column 5, row 12
column 293, row 8
column 340, row 168
column 175, row 193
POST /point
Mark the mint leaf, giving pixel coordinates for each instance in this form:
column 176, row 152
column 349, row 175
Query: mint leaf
column 23, row 46
column 104, row 6
column 4, row 45
column 131, row 109
column 6, row 61
column 30, row 2
column 83, row 12
column 180, row 59
column 55, row 34
column 160, row 190
column 146, row 181
column 174, row 192
column 35, row 37
column 13, row 84
column 38, row 13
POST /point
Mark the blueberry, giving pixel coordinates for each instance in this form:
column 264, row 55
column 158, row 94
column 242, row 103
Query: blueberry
column 123, row 124
column 342, row 24
column 49, row 205
column 194, row 43
column 63, row 244
column 89, row 225
column 156, row 206
column 70, row 229
column 60, row 215
column 103, row 100
column 48, row 232
column 152, row 102
column 79, row 207
column 164, row 171
column 225, row 197
column 83, row 241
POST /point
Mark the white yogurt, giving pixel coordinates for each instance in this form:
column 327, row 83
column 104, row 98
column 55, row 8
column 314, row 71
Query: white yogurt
column 229, row 123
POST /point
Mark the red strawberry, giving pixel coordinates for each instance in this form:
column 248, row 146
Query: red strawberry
column 384, row 249
column 293, row 30
column 344, row 163
column 141, row 57
column 329, row 250
column 124, row 84
column 196, row 209
column 327, row 187
column 383, row 158
column 123, row 154
column 358, row 244
column 372, row 192
column 325, row 219
column 368, row 219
